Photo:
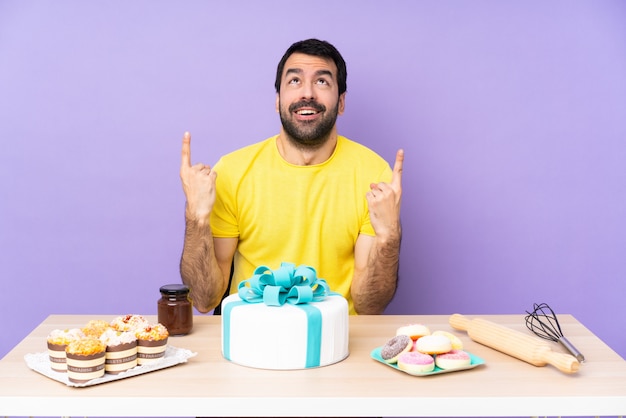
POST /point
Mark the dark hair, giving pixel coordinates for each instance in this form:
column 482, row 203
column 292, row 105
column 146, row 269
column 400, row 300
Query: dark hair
column 316, row 48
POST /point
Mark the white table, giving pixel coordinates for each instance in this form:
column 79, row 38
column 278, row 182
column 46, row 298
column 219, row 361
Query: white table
column 208, row 385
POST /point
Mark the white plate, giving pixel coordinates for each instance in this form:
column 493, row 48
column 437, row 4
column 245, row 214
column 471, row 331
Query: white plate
column 40, row 362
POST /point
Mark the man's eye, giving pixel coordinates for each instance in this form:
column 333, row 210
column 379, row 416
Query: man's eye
column 294, row 81
column 322, row 81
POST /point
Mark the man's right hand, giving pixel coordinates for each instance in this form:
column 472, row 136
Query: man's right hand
column 198, row 184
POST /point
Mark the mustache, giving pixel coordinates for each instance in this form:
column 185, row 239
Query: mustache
column 307, row 103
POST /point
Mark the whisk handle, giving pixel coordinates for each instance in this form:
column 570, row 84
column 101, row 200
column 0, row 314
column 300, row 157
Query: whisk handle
column 570, row 347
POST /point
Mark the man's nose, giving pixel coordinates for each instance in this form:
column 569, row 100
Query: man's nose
column 308, row 91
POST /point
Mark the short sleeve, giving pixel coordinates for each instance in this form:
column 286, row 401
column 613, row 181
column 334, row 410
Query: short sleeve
column 224, row 222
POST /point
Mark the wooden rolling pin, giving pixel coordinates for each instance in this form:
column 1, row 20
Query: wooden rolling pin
column 514, row 343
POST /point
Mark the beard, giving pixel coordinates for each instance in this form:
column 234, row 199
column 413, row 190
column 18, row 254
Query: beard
column 308, row 134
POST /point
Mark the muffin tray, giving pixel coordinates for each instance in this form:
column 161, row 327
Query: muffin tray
column 40, row 362
column 475, row 361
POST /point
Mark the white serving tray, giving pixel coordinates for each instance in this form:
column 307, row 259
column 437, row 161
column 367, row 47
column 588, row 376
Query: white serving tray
column 40, row 362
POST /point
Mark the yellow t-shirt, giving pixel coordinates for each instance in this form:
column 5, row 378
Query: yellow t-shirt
column 308, row 215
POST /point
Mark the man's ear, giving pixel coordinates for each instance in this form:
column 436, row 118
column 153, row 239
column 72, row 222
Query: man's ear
column 342, row 103
column 277, row 103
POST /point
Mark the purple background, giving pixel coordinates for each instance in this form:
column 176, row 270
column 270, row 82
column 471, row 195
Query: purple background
column 512, row 115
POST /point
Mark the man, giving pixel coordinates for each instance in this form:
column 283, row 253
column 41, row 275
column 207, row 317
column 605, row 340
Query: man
column 305, row 196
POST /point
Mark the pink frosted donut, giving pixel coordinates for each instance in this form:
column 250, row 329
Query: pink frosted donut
column 413, row 362
column 453, row 360
column 394, row 347
column 433, row 344
column 414, row 331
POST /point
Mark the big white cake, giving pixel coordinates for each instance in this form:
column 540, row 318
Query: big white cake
column 284, row 337
column 281, row 337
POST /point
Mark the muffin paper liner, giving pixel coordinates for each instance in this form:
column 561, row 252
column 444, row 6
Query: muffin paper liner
column 40, row 362
column 57, row 357
column 83, row 368
column 121, row 357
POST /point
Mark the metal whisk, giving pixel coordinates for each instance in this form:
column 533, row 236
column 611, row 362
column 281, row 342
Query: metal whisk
column 542, row 322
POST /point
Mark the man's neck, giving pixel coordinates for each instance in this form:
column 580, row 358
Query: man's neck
column 297, row 154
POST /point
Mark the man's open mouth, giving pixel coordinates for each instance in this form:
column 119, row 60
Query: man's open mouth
column 306, row 108
column 306, row 112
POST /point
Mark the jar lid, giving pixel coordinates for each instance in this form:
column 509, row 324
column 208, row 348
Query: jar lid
column 174, row 289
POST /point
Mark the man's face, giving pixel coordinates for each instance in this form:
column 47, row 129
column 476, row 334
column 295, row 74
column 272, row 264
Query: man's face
column 309, row 101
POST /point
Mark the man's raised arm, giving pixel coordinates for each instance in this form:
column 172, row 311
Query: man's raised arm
column 203, row 267
column 377, row 258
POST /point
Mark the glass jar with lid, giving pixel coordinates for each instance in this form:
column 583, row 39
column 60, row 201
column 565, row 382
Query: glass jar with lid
column 175, row 309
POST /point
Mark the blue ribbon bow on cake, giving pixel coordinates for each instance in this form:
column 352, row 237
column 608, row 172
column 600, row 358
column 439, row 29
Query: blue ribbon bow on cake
column 287, row 284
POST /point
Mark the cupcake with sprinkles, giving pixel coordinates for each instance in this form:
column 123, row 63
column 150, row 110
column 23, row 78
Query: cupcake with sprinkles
column 85, row 359
column 121, row 351
column 151, row 343
column 58, row 340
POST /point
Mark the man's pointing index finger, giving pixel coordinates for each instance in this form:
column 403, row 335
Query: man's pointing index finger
column 186, row 153
column 396, row 177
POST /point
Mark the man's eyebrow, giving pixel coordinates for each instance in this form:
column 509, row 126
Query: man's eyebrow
column 317, row 73
column 324, row 72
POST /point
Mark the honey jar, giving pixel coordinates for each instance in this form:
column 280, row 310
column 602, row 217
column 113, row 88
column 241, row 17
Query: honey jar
column 174, row 309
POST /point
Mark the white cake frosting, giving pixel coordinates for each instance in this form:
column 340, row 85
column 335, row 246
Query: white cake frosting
column 280, row 337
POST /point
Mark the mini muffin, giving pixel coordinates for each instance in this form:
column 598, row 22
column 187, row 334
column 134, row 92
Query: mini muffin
column 95, row 328
column 129, row 323
column 85, row 359
column 151, row 343
column 57, row 340
column 121, row 351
